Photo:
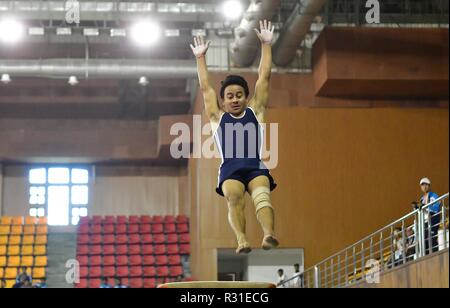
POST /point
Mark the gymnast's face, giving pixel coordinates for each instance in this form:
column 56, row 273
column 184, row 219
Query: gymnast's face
column 235, row 101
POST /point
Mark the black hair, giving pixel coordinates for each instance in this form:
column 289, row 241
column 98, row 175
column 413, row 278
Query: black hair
column 234, row 80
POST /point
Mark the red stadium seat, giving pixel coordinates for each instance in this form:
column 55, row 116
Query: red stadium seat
column 122, row 271
column 96, row 229
column 174, row 260
column 121, row 220
column 133, row 229
column 122, row 260
column 134, row 239
column 148, row 260
column 147, row 249
column 108, row 229
column 109, row 220
column 135, row 271
column 182, row 219
column 82, row 250
column 182, row 228
column 176, row 271
column 157, row 228
column 185, row 249
column 162, row 271
column 121, row 229
column 121, row 239
column 172, row 238
column 83, row 229
column 109, row 239
column 96, row 250
column 112, row 280
column 147, row 239
column 96, row 220
column 184, row 238
column 149, row 283
column 83, row 260
column 161, row 260
column 172, row 249
column 84, row 271
column 159, row 238
column 95, row 272
column 95, row 283
column 95, row 261
column 134, row 250
column 134, row 219
column 83, row 239
column 121, row 249
column 109, row 271
column 157, row 219
column 83, row 221
column 169, row 228
column 109, row 261
column 145, row 228
column 160, row 249
column 109, row 249
column 149, row 271
column 169, row 219
column 83, row 284
column 145, row 219
column 136, row 283
column 95, row 239
column 135, row 260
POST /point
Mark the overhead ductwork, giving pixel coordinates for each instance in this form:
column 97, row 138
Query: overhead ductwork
column 113, row 10
column 98, row 69
column 246, row 46
column 295, row 30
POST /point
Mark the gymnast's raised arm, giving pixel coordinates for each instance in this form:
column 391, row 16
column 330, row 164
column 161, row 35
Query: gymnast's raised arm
column 261, row 97
column 200, row 48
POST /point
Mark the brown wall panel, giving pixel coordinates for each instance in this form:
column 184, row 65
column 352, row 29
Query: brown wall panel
column 382, row 62
column 342, row 174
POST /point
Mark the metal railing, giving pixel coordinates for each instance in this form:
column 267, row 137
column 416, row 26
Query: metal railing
column 414, row 236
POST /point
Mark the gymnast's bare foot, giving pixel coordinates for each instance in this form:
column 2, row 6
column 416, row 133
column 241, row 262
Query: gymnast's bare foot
column 243, row 247
column 269, row 242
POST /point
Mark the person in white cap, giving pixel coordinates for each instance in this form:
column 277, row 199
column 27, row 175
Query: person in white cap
column 432, row 215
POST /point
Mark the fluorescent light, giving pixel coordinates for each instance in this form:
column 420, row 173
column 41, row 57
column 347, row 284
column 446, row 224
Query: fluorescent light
column 73, row 81
column 225, row 32
column 198, row 32
column 90, row 32
column 172, row 33
column 36, row 31
column 63, row 31
column 143, row 81
column 6, row 79
column 118, row 32
column 145, row 33
column 233, row 9
column 11, row 31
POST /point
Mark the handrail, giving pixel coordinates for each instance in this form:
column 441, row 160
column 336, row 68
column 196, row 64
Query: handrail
column 423, row 238
column 384, row 228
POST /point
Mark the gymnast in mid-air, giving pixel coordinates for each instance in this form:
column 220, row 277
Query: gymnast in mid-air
column 236, row 120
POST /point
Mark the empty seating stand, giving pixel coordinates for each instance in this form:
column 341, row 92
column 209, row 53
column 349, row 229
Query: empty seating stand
column 143, row 251
column 23, row 243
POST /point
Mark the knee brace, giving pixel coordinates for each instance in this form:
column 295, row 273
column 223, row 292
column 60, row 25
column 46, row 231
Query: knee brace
column 261, row 198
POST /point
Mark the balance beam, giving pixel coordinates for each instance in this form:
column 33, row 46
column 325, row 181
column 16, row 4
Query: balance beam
column 217, row 285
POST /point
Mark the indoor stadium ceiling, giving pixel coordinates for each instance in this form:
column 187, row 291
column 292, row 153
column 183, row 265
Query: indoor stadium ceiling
column 102, row 39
